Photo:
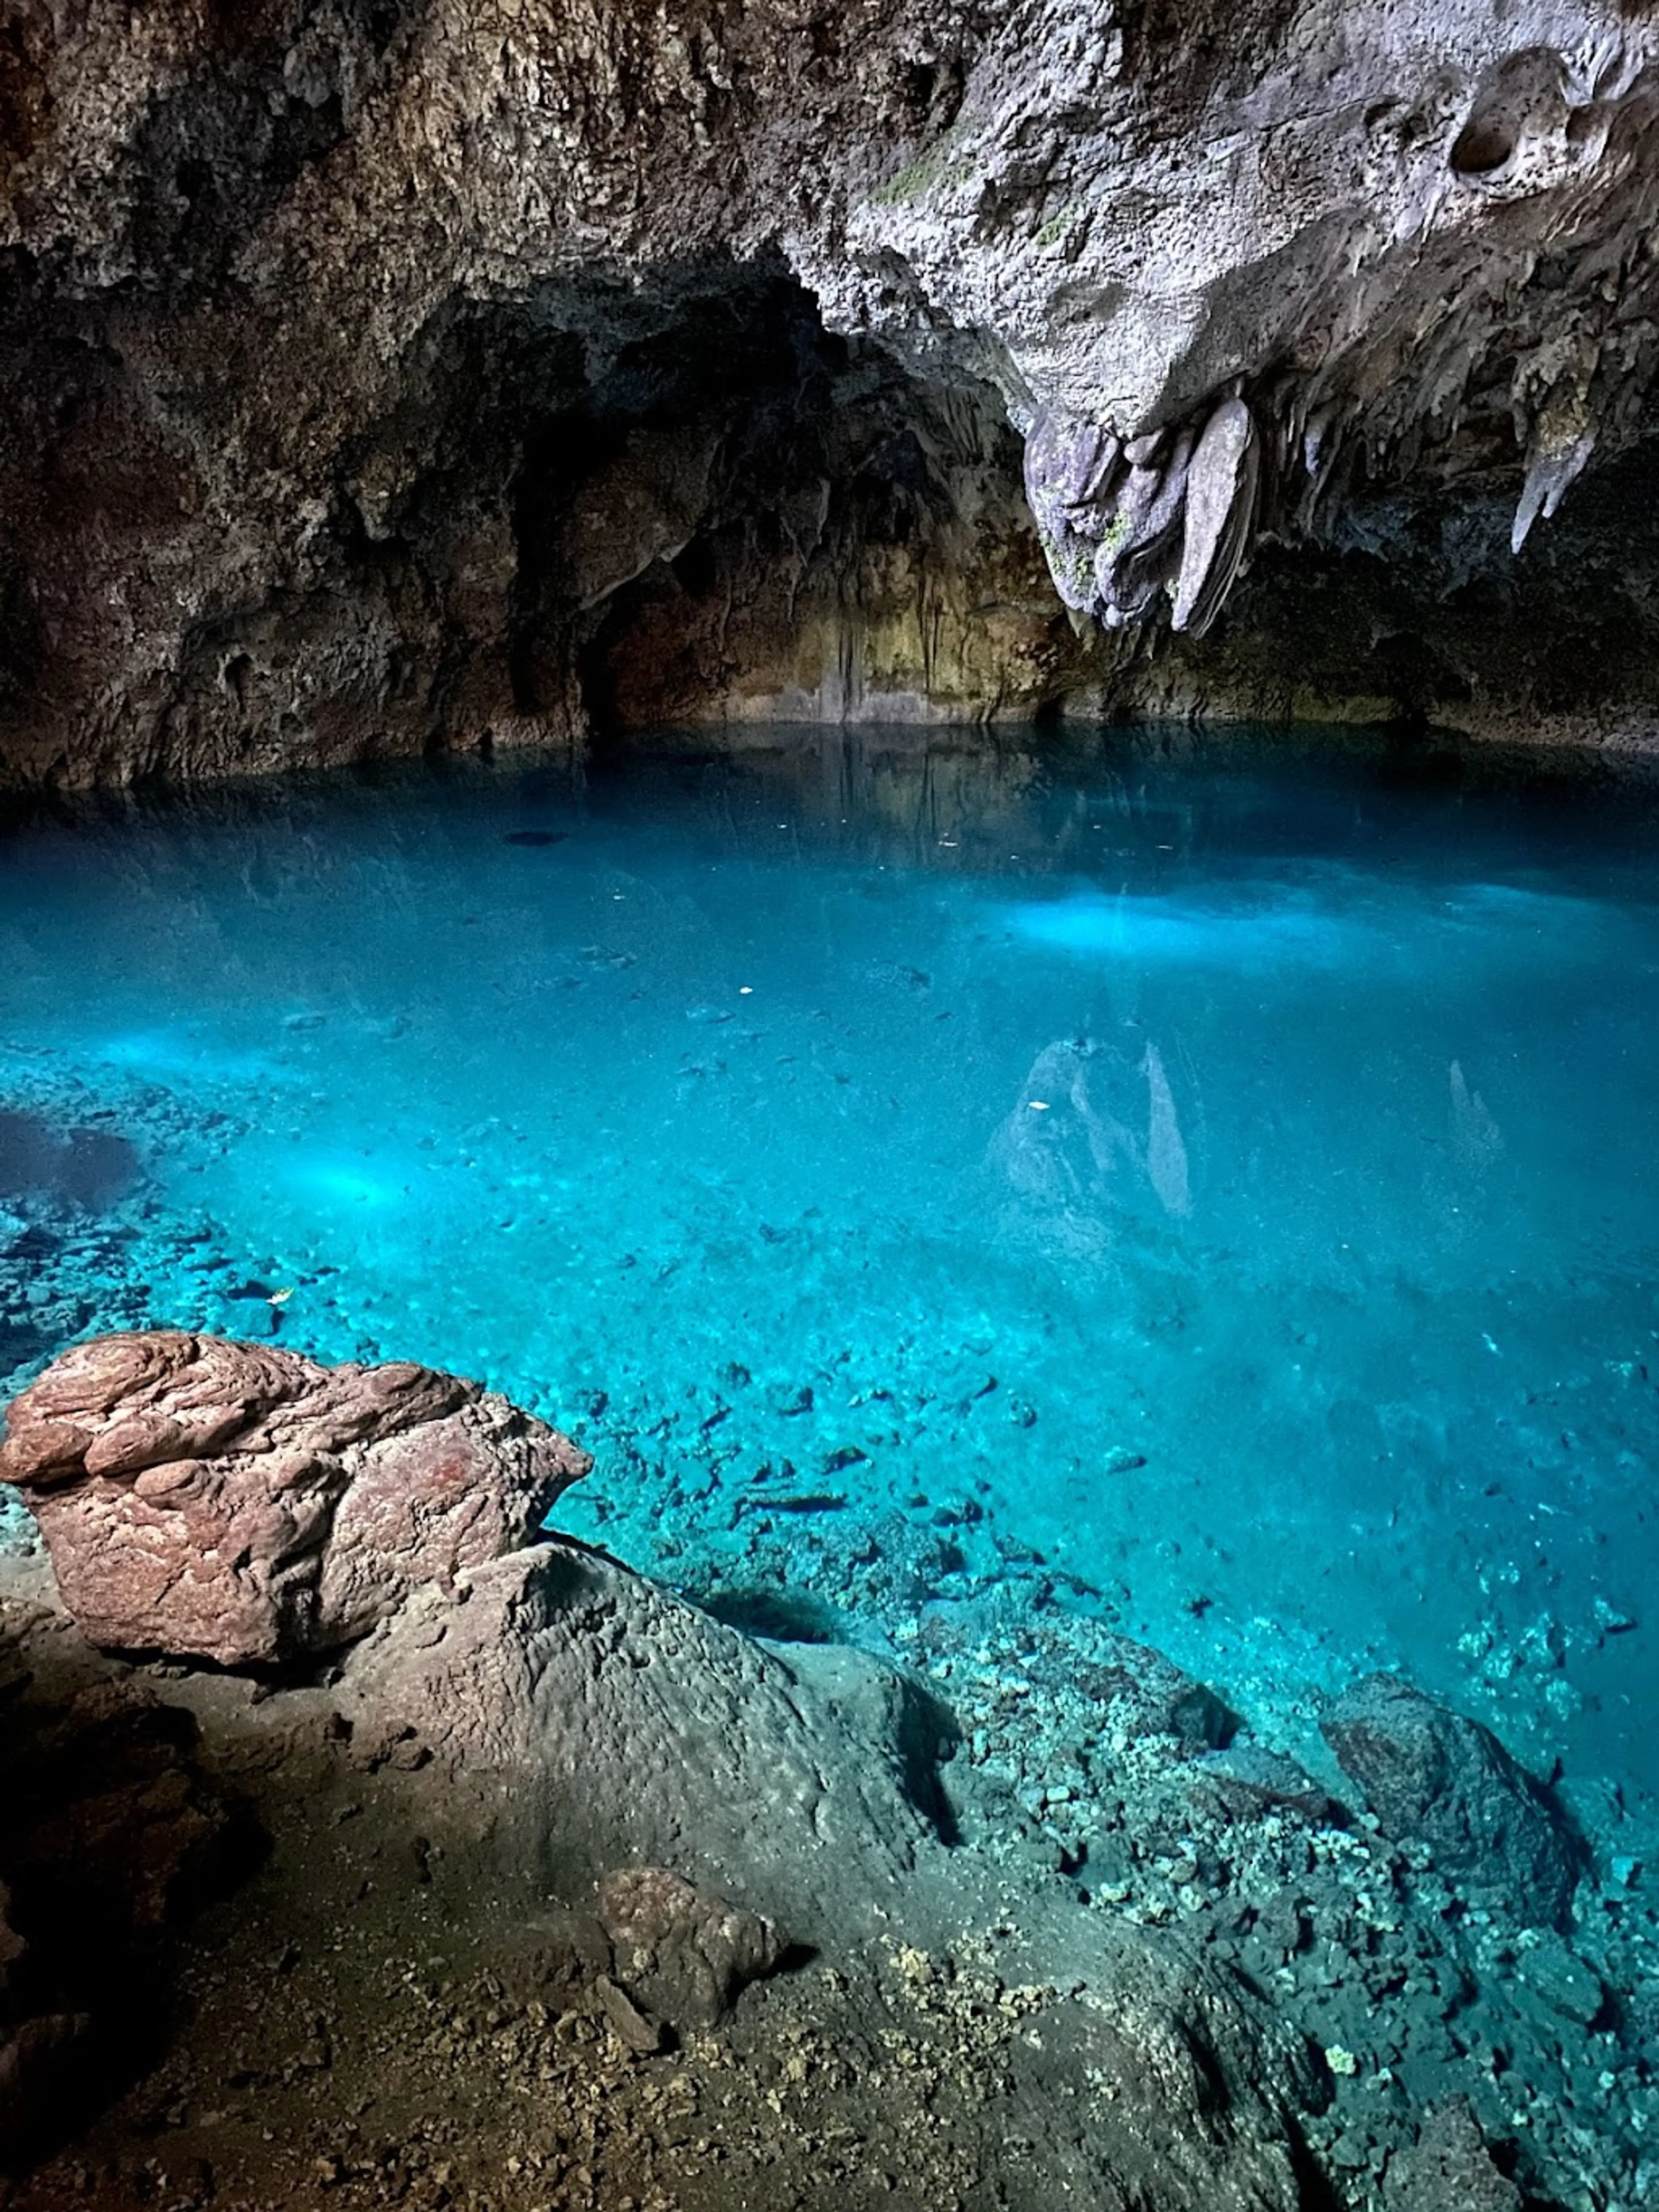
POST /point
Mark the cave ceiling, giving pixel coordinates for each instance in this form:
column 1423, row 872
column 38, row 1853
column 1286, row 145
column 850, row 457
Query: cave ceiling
column 381, row 374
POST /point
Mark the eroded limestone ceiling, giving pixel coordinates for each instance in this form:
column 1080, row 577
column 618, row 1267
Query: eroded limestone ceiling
column 1222, row 263
column 1227, row 271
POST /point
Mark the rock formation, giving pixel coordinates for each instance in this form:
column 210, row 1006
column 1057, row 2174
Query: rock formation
column 680, row 1951
column 235, row 1503
column 426, row 372
column 1432, row 1775
column 1451, row 2165
column 566, row 1726
column 602, row 1720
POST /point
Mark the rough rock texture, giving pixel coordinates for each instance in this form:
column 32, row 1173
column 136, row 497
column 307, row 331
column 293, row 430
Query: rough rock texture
column 1451, row 2165
column 380, row 374
column 1431, row 1776
column 236, row 1502
column 683, row 1954
column 606, row 1720
column 544, row 1715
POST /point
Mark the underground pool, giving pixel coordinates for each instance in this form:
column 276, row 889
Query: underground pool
column 1210, row 1186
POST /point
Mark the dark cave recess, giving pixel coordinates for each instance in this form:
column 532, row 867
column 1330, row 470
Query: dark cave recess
column 605, row 507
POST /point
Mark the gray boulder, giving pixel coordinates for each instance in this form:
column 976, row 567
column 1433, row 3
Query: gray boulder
column 618, row 1724
column 1434, row 1777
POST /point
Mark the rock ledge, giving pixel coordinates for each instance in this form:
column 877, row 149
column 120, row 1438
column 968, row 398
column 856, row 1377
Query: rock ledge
column 234, row 1503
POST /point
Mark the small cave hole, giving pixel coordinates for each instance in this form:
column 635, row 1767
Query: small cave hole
column 1482, row 147
column 234, row 674
column 1523, row 96
column 919, row 80
column 695, row 567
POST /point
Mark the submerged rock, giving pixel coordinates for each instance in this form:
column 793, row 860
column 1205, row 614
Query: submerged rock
column 1561, row 1980
column 239, row 1503
column 1431, row 1777
column 1144, row 1693
column 1250, row 1778
column 1449, row 2169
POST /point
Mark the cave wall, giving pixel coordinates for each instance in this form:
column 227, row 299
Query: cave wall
column 382, row 375
column 1420, row 615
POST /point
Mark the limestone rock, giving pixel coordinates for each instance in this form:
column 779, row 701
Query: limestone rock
column 612, row 1722
column 681, row 1952
column 1184, row 2063
column 1221, row 494
column 237, row 1503
column 1432, row 1777
column 1449, row 2169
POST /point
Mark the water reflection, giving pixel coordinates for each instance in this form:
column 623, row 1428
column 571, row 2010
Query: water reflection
column 1093, row 1135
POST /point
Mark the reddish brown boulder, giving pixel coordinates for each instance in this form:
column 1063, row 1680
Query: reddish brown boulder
column 241, row 1504
column 1433, row 1776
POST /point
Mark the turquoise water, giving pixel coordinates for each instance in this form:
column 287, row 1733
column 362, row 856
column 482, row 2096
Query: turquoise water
column 1212, row 1184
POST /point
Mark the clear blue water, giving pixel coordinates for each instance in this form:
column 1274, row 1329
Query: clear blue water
column 1219, row 1181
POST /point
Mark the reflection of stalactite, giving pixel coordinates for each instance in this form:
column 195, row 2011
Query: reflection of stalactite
column 1476, row 1137
column 1166, row 1155
column 1072, row 1162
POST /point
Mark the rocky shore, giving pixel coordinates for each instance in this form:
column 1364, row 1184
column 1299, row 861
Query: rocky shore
column 516, row 1881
